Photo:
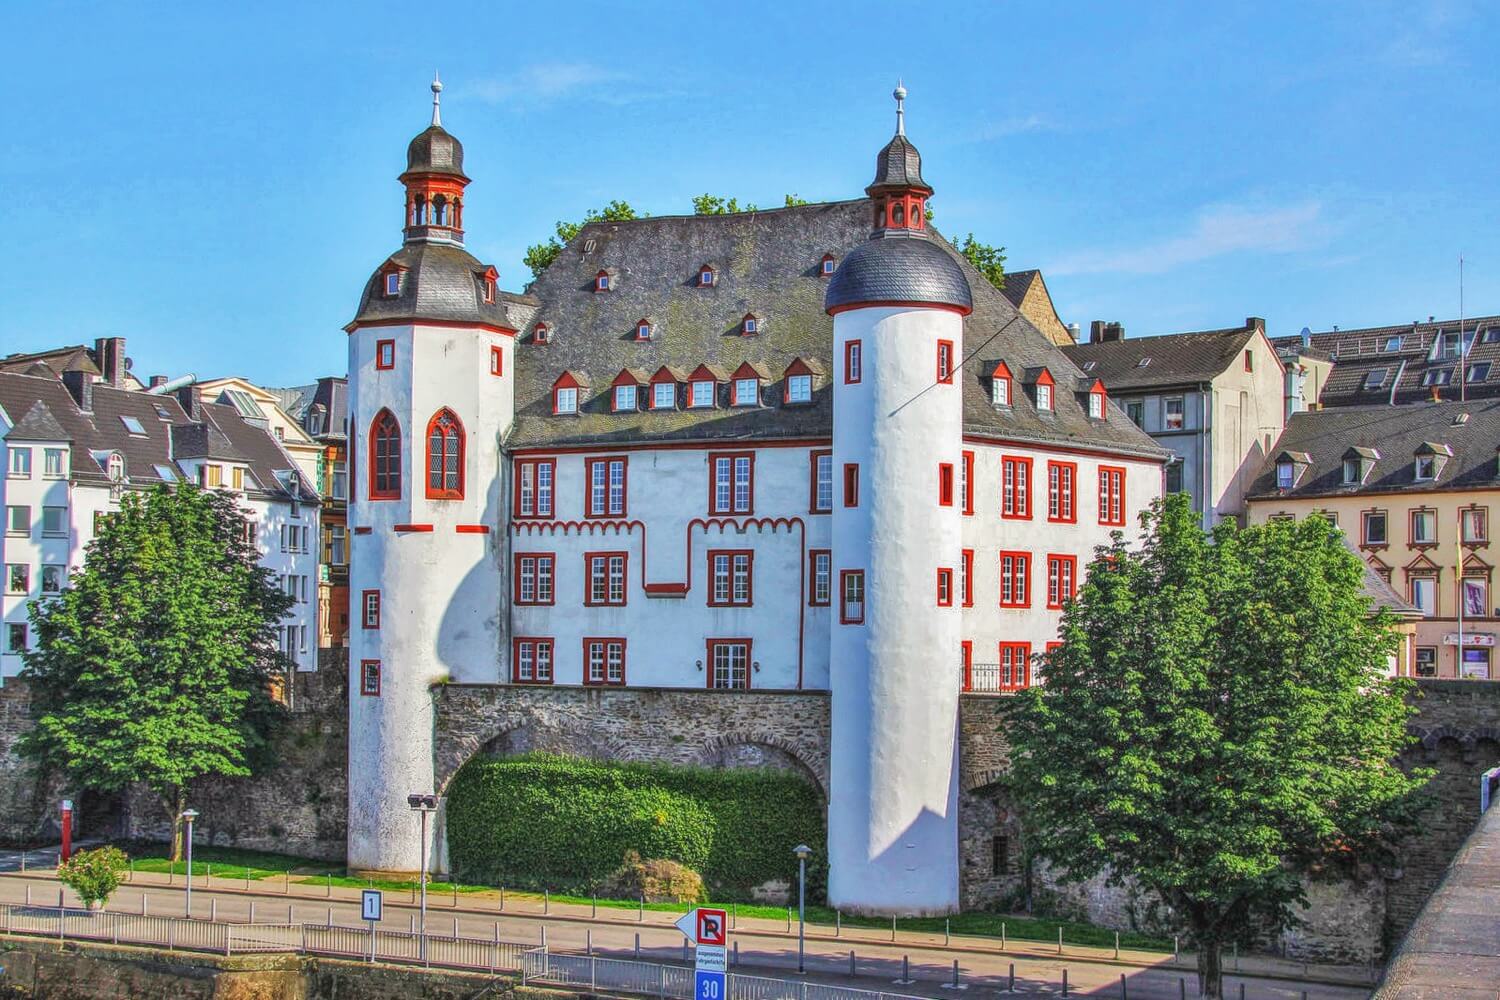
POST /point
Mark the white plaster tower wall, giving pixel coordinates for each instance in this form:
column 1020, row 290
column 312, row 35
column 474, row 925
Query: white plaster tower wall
column 893, row 821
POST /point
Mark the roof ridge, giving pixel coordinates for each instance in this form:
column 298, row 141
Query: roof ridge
column 717, row 215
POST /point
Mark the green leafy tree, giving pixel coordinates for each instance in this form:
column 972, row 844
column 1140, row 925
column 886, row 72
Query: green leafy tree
column 712, row 204
column 990, row 261
column 539, row 256
column 93, row 875
column 1217, row 725
column 155, row 665
column 792, row 201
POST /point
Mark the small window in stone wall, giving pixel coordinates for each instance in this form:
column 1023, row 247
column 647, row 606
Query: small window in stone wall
column 1000, row 854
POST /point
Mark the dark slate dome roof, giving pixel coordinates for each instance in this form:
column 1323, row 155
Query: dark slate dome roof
column 434, row 151
column 899, row 269
column 898, row 165
column 440, row 281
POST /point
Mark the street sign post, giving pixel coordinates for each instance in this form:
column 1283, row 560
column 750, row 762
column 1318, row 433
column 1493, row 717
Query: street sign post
column 369, row 908
column 709, row 931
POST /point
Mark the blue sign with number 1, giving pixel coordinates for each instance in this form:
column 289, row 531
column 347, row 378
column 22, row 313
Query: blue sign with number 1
column 709, row 986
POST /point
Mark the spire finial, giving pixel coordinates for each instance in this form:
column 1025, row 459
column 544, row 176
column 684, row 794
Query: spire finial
column 437, row 90
column 900, row 95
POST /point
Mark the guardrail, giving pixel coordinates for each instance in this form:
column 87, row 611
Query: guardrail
column 674, row 982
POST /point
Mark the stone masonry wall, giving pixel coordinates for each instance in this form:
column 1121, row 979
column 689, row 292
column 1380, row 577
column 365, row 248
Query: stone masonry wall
column 28, row 798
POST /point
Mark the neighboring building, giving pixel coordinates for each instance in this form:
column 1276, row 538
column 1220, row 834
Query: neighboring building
column 74, row 445
column 1409, row 363
column 106, row 360
column 321, row 409
column 766, row 450
column 1215, row 398
column 1028, row 293
column 262, row 408
column 1307, row 370
column 1412, row 487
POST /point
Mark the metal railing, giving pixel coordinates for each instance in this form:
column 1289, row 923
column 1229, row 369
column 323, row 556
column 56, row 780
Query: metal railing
column 673, row 982
column 995, row 678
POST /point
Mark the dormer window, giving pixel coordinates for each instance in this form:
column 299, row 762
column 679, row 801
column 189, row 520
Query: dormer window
column 625, row 398
column 799, row 389
column 706, row 276
column 1426, row 470
column 1430, row 459
column 1351, row 472
column 1044, row 398
column 625, row 392
column 643, row 329
column 827, row 267
column 746, row 392
column 541, row 334
column 392, row 284
column 1286, row 474
column 1096, row 405
column 1000, row 385
column 566, row 392
column 664, row 396
column 114, row 467
column 749, row 326
column 602, row 282
column 491, row 277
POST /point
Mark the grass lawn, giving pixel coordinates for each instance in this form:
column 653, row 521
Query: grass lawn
column 228, row 862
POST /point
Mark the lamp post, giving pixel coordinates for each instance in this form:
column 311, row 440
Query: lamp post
column 803, row 852
column 188, row 815
column 423, row 804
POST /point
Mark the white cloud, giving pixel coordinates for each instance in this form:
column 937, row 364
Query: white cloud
column 1013, row 125
column 1218, row 230
column 545, row 82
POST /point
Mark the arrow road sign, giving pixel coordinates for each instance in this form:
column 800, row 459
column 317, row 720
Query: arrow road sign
column 705, row 926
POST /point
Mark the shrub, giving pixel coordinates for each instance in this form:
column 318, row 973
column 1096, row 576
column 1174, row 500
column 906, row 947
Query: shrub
column 93, row 875
column 542, row 821
column 657, row 881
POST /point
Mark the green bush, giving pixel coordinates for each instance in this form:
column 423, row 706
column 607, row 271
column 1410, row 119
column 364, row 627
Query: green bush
column 560, row 823
column 93, row 875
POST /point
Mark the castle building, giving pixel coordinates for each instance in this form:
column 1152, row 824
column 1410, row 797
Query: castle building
column 808, row 449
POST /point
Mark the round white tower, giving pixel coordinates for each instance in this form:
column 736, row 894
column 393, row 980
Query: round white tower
column 431, row 354
column 898, row 303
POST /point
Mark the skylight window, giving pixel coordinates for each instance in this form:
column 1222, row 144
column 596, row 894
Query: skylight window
column 133, row 426
column 163, row 413
column 1376, row 378
column 165, row 473
column 244, row 403
column 1391, row 344
column 1089, row 366
column 1478, row 372
column 1143, row 362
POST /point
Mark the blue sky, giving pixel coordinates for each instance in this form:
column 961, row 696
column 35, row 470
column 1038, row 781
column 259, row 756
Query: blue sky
column 216, row 182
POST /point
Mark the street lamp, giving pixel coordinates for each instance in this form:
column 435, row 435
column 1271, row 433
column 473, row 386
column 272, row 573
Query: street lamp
column 803, row 852
column 423, row 804
column 188, row 815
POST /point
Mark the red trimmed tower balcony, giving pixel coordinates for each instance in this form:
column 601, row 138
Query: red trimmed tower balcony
column 435, row 183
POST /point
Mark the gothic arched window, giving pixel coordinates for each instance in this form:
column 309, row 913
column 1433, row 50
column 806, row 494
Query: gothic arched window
column 445, row 457
column 385, row 457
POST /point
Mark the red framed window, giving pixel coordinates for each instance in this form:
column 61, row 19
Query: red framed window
column 541, row 334
column 854, row 362
column 749, row 326
column 820, row 482
column 1249, row 361
column 729, row 664
column 945, row 362
column 731, row 486
column 828, row 265
column 1111, row 495
column 851, row 597
column 1062, row 580
column 1015, row 665
column 851, row 484
column 369, row 609
column 445, row 456
column 819, row 578
column 966, row 577
column 1062, row 492
column 965, row 478
column 601, row 281
column 1015, row 579
column 643, row 329
column 966, row 655
column 497, row 360
column 731, row 578
column 705, row 276
column 385, row 355
column 385, row 457
column 945, row 484
column 605, row 573
column 535, row 576
column 531, row 661
column 945, row 587
column 606, row 487
column 535, row 478
column 369, row 678
column 1015, row 487
column 604, row 662
column 489, row 285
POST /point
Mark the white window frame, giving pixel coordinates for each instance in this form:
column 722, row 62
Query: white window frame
column 1000, row 392
column 1044, row 398
column 566, row 400
column 18, row 466
column 664, row 396
column 1174, row 421
column 701, row 394
column 799, row 389
column 625, row 398
column 746, row 392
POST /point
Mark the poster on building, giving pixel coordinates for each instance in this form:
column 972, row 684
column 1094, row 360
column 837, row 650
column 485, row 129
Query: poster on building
column 1475, row 664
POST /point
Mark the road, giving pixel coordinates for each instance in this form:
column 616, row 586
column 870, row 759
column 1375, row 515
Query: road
column 764, row 947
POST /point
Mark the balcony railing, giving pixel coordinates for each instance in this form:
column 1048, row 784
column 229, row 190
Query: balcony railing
column 995, row 678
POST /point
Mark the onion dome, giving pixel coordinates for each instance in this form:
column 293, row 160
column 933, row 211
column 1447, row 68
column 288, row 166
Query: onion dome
column 433, row 282
column 435, row 151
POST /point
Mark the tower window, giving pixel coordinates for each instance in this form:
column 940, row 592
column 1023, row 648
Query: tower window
column 851, row 484
column 643, row 330
column 601, row 281
column 828, row 265
column 853, row 362
column 541, row 334
column 945, row 362
column 392, row 284
column 369, row 678
column 852, row 597
column 945, row 587
column 749, row 326
column 370, row 609
column 445, row 457
column 385, row 354
column 385, row 457
column 497, row 360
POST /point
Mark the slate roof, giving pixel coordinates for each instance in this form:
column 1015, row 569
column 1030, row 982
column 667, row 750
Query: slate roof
column 768, row 263
column 222, row 433
column 330, row 392
column 1382, row 594
column 1391, row 364
column 898, row 268
column 38, row 425
column 1395, row 433
column 435, row 151
column 439, row 281
column 1018, row 283
column 898, row 165
column 1173, row 360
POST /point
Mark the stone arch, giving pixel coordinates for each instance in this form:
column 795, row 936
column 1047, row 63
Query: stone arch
column 533, row 735
column 982, row 780
column 749, row 749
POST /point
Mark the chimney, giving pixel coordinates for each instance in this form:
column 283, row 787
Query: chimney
column 190, row 397
column 1096, row 332
column 1114, row 331
column 1255, row 323
column 80, row 386
column 1073, row 331
column 157, row 380
column 109, row 355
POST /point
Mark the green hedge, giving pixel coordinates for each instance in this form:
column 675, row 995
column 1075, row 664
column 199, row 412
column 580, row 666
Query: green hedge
column 561, row 823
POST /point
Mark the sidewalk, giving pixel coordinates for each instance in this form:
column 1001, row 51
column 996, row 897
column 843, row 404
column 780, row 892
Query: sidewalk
column 527, row 906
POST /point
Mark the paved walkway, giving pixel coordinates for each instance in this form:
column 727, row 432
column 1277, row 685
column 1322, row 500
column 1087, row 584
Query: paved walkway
column 765, row 947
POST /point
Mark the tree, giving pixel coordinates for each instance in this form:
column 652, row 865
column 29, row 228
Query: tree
column 542, row 254
column 712, row 204
column 155, row 664
column 990, row 261
column 93, row 875
column 1217, row 724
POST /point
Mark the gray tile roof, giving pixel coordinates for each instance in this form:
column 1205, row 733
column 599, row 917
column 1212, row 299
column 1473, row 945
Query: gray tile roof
column 898, row 165
column 163, row 422
column 769, row 264
column 435, row 151
column 898, row 268
column 1172, row 360
column 1382, row 594
column 330, row 392
column 1392, row 364
column 1395, row 433
column 439, row 281
column 38, row 425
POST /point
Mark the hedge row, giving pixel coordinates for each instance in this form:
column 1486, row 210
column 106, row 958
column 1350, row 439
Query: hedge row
column 561, row 823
